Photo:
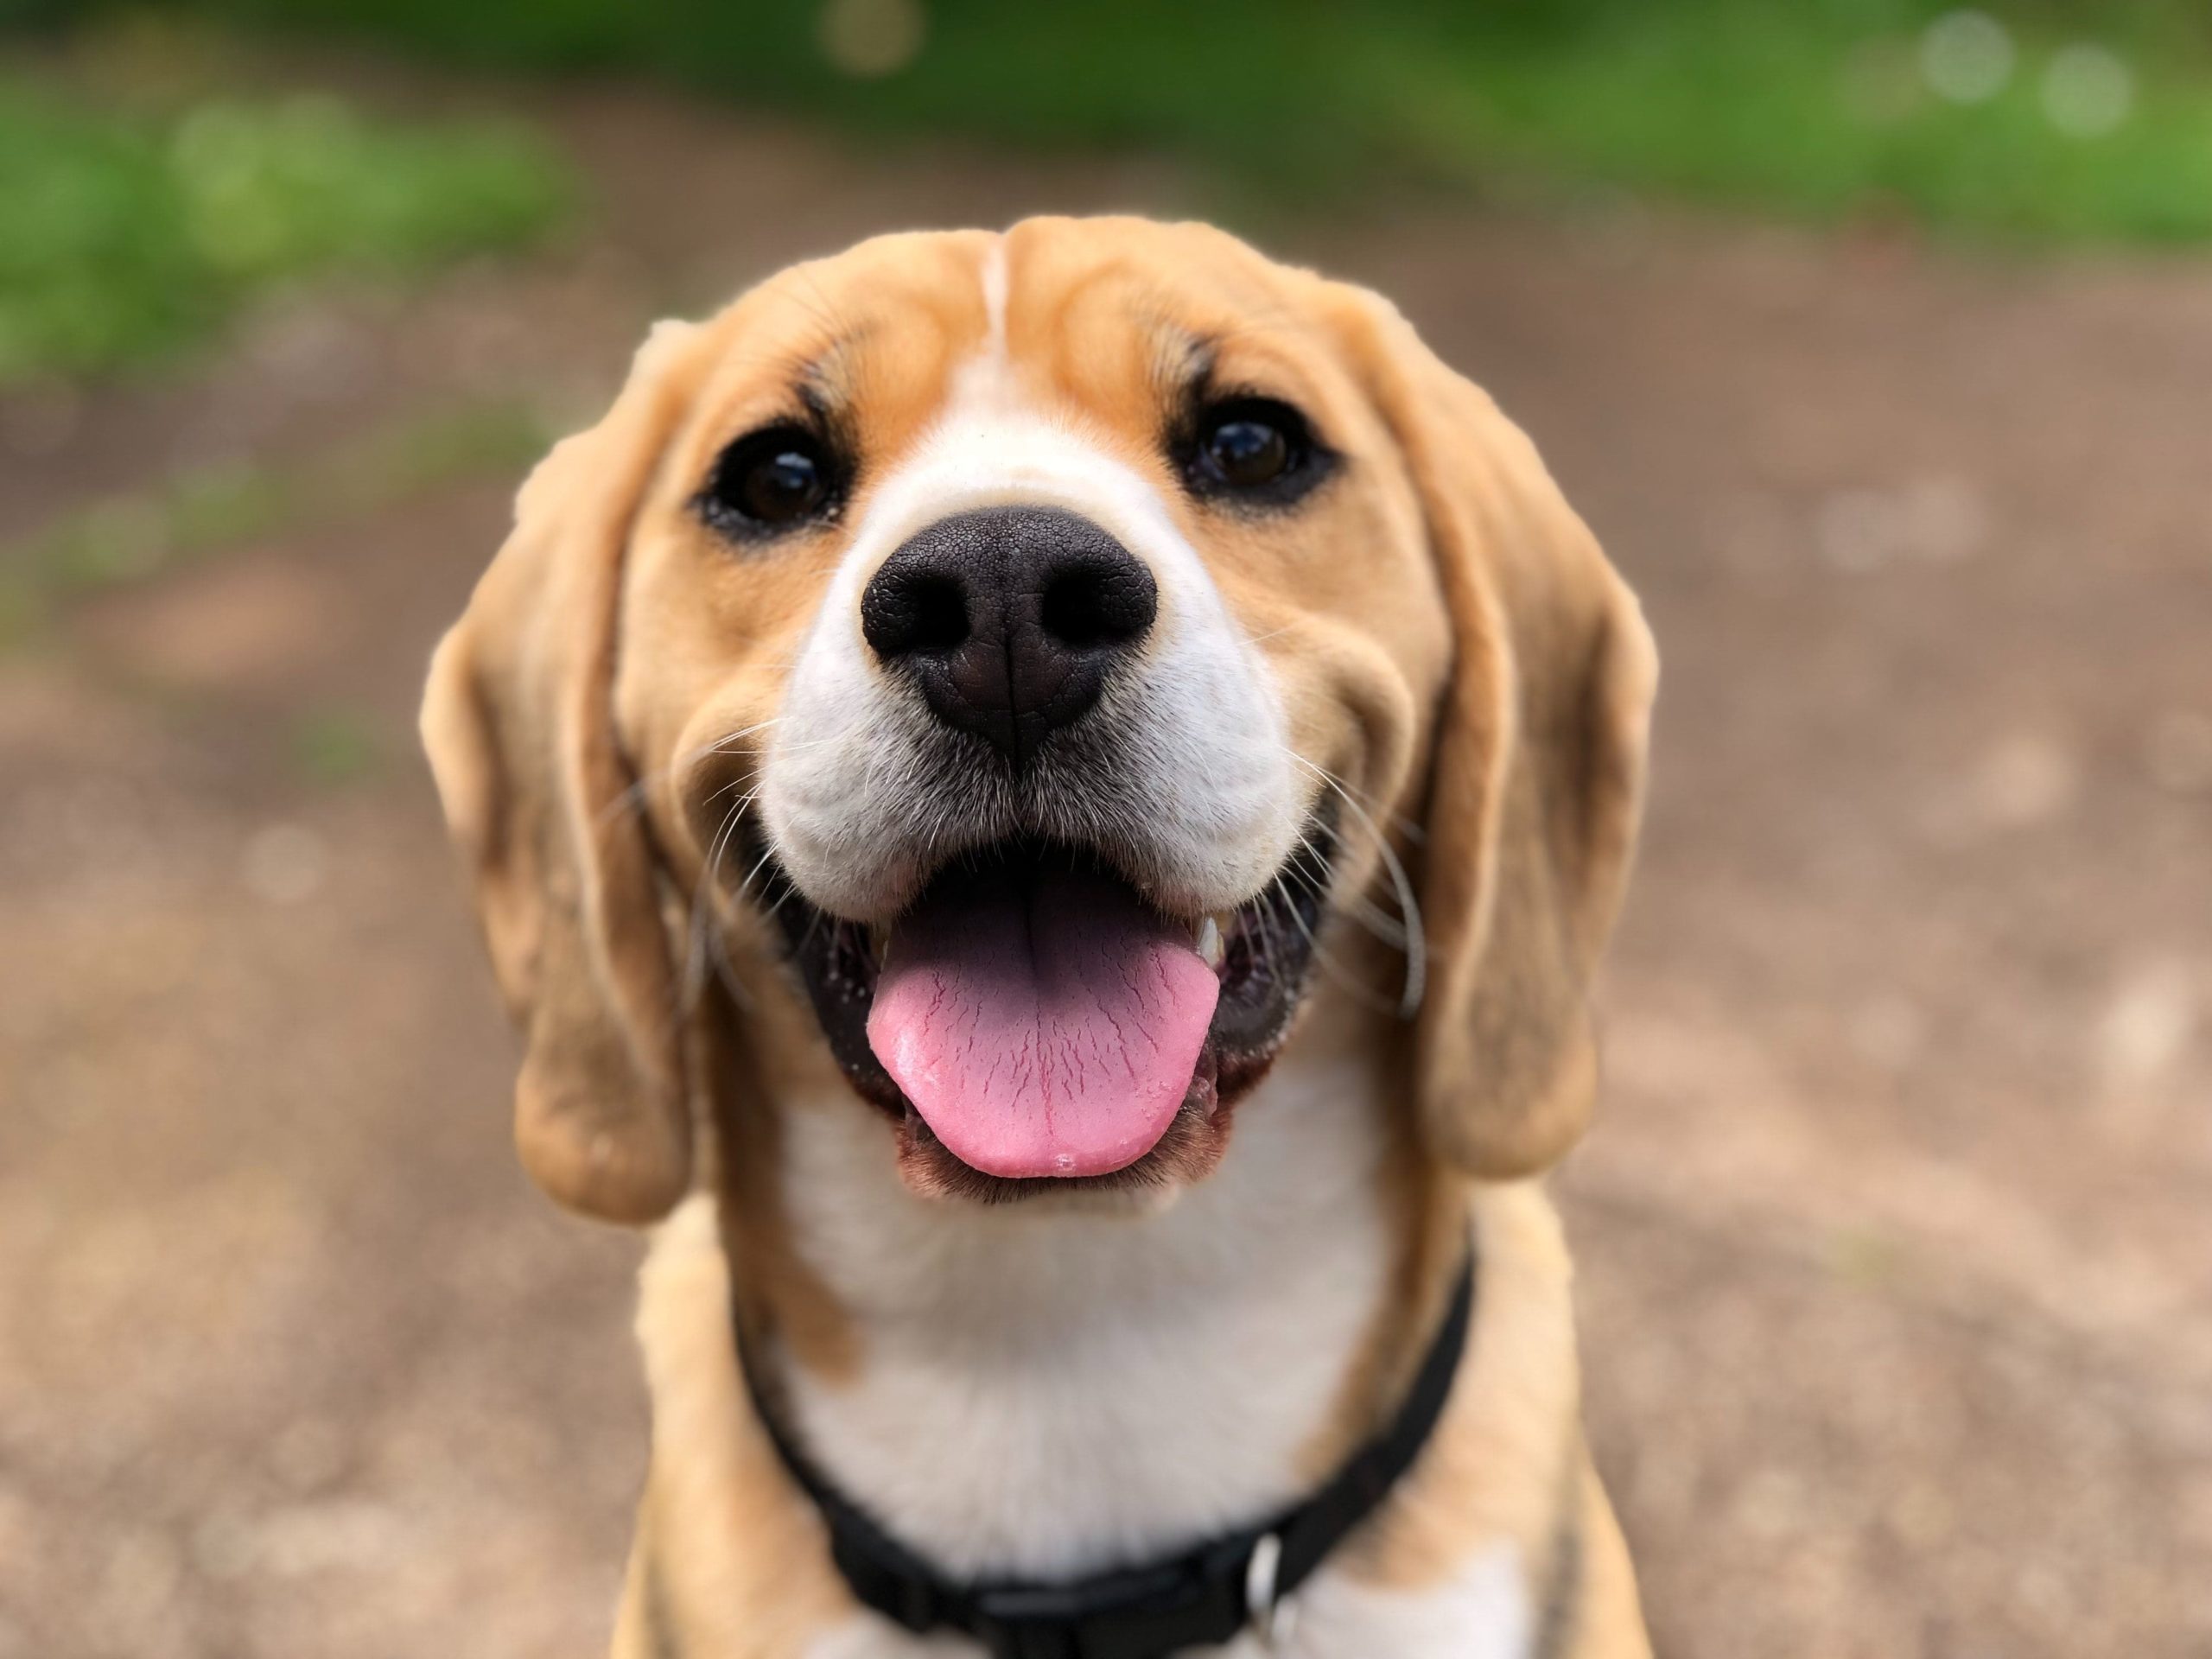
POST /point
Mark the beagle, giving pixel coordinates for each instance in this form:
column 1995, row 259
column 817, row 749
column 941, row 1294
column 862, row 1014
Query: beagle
column 1047, row 803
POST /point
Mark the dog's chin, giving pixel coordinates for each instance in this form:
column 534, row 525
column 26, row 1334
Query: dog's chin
column 1259, row 954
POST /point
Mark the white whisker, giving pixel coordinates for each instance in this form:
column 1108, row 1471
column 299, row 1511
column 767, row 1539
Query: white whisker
column 1415, row 943
column 634, row 795
column 1329, row 965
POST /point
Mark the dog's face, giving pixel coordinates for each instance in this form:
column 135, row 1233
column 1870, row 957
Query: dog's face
column 1014, row 652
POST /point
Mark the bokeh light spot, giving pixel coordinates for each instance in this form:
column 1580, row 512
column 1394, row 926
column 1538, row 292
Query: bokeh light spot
column 870, row 39
column 1966, row 57
column 2088, row 90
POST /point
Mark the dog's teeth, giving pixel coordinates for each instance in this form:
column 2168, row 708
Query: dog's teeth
column 879, row 943
column 1208, row 943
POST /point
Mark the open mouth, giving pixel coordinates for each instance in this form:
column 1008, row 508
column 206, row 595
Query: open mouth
column 1031, row 1018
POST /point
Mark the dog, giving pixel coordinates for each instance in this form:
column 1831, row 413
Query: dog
column 1047, row 803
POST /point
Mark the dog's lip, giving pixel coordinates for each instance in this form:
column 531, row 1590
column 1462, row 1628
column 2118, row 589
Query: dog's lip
column 1188, row 907
column 1260, row 951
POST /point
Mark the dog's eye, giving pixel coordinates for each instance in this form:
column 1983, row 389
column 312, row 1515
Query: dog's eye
column 1247, row 451
column 1249, row 444
column 769, row 480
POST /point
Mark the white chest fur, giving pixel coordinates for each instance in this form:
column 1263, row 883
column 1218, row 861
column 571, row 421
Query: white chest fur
column 1047, row 1388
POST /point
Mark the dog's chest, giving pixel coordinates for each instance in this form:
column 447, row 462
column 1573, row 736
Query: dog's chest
column 1096, row 1391
column 1043, row 1396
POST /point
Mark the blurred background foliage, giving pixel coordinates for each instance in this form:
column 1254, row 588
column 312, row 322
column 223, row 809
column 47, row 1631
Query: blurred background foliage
column 2065, row 117
column 131, row 231
column 135, row 224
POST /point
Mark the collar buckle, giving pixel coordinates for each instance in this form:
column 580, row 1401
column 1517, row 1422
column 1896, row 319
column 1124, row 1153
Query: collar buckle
column 1273, row 1618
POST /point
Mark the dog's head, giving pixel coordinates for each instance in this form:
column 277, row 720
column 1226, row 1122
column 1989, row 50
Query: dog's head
column 1032, row 644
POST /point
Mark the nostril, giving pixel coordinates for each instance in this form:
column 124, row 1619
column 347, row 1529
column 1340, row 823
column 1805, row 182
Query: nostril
column 915, row 612
column 938, row 614
column 1087, row 607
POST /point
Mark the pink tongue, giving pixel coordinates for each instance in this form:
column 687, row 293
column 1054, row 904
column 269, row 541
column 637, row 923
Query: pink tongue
column 1044, row 1024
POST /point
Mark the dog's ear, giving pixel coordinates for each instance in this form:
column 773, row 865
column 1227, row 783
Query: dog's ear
column 518, row 723
column 1536, row 776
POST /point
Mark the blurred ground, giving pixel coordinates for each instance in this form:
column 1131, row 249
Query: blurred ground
column 1895, row 1241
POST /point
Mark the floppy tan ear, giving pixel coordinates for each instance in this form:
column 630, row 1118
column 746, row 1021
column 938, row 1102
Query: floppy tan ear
column 518, row 723
column 1536, row 781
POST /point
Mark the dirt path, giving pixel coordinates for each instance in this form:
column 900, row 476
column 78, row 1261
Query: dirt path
column 1895, row 1232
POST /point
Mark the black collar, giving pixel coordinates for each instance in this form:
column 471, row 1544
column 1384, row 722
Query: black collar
column 1202, row 1597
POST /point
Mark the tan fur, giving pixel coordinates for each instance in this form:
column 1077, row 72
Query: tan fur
column 1496, row 1466
column 1449, row 645
column 520, row 735
column 778, row 1291
column 732, row 1550
column 1607, row 1615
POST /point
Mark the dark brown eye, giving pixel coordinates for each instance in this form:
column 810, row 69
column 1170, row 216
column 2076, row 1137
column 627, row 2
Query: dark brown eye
column 773, row 480
column 1252, row 447
column 1247, row 451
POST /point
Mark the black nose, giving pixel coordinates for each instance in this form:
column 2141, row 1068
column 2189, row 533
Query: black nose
column 1008, row 618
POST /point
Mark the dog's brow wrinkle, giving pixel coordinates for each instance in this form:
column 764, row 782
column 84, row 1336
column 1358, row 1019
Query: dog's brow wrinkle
column 820, row 306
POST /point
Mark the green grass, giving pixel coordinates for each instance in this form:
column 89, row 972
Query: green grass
column 204, row 512
column 1814, row 108
column 125, row 236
